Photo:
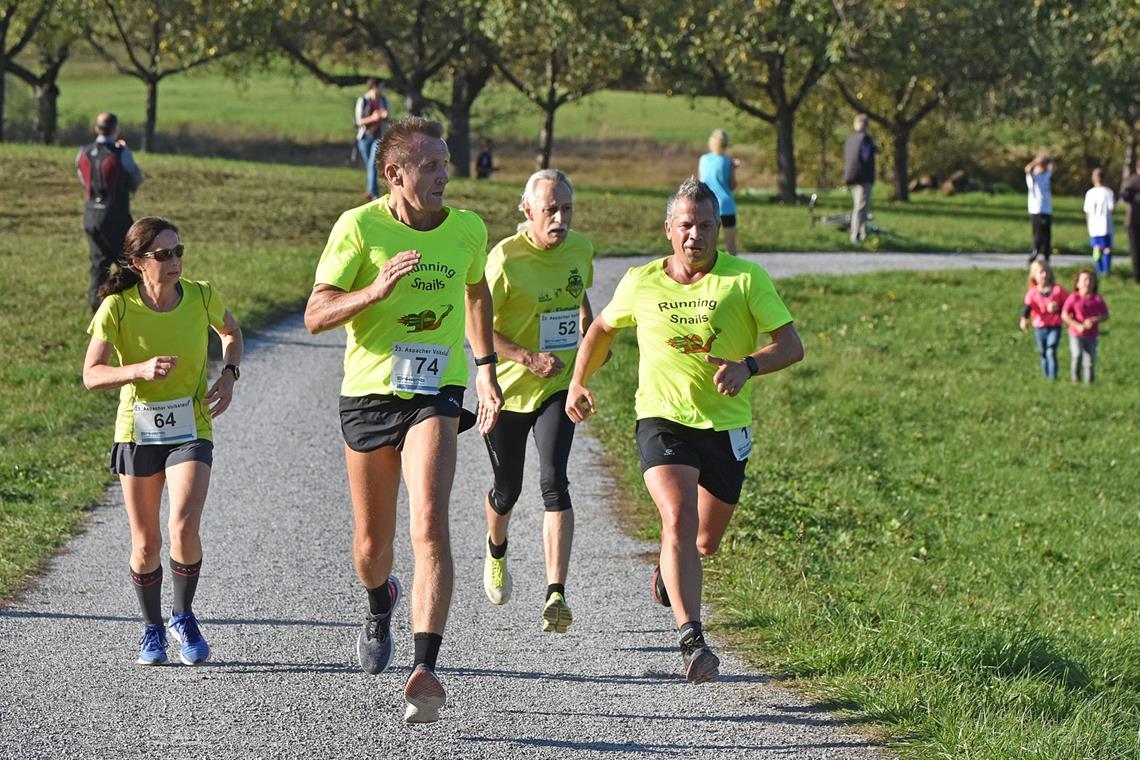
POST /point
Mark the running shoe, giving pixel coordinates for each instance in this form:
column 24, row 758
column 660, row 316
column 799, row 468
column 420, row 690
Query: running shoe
column 374, row 646
column 701, row 665
column 556, row 614
column 660, row 595
column 496, row 577
column 152, row 646
column 184, row 628
column 424, row 694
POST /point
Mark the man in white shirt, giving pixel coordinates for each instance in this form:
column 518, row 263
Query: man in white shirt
column 1038, row 174
column 1099, row 205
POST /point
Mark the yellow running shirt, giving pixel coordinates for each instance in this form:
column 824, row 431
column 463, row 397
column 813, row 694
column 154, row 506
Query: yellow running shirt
column 414, row 337
column 678, row 325
column 538, row 296
column 140, row 333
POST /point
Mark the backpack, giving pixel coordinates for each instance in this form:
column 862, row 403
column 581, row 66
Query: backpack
column 103, row 175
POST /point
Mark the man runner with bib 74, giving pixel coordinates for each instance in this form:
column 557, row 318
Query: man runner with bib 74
column 698, row 315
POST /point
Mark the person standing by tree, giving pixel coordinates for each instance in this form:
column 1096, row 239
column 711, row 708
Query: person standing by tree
column 859, row 174
column 402, row 275
column 718, row 171
column 371, row 118
column 109, row 175
column 1130, row 194
column 1038, row 179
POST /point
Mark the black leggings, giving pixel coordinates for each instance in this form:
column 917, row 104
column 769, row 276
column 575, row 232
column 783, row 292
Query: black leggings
column 1043, row 235
column 506, row 443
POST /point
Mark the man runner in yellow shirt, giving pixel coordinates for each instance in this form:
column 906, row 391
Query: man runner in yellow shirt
column 698, row 314
column 538, row 280
column 401, row 274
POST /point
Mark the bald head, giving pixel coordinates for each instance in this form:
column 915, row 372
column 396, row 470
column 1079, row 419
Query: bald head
column 106, row 124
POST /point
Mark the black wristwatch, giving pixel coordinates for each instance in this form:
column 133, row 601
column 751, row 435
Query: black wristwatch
column 753, row 367
column 233, row 368
column 491, row 358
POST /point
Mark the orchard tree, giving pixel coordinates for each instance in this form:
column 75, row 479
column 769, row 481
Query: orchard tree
column 558, row 51
column 53, row 42
column 19, row 21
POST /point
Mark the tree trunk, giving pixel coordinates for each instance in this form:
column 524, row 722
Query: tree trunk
column 1130, row 156
column 3, row 68
column 901, row 135
column 459, row 125
column 414, row 102
column 786, row 154
column 47, row 111
column 151, row 115
column 546, row 139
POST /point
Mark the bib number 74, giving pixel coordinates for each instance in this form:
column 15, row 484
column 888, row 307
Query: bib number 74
column 418, row 367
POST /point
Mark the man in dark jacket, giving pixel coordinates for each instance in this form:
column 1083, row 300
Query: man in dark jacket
column 109, row 175
column 859, row 174
column 1130, row 194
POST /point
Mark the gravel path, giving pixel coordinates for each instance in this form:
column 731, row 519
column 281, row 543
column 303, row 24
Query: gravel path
column 281, row 605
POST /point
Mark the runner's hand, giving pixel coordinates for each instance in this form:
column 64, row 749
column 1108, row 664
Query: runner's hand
column 157, row 368
column 1024, row 324
column 545, row 364
column 220, row 394
column 730, row 377
column 490, row 399
column 579, row 403
column 394, row 270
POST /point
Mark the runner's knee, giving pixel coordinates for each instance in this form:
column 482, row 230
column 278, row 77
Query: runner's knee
column 502, row 498
column 147, row 550
column 678, row 525
column 555, row 493
column 707, row 545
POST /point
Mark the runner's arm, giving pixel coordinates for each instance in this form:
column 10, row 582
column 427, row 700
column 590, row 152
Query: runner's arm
column 330, row 307
column 233, row 347
column 481, row 337
column 98, row 375
column 785, row 349
column 541, row 364
column 592, row 354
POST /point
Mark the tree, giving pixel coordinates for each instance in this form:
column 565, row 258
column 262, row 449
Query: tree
column 763, row 56
column 18, row 20
column 558, row 51
column 160, row 38
column 897, row 72
column 416, row 42
column 53, row 41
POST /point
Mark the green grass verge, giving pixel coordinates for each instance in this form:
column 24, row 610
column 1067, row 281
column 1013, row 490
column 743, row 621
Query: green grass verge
column 931, row 535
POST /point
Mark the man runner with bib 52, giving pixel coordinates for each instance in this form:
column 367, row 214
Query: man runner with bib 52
column 402, row 274
column 156, row 323
column 698, row 315
column 538, row 280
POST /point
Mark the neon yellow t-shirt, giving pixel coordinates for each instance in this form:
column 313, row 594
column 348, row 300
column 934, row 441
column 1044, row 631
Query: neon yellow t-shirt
column 526, row 284
column 426, row 308
column 721, row 314
column 140, row 333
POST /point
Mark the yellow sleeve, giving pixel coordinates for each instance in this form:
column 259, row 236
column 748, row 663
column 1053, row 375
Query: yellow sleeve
column 767, row 308
column 340, row 261
column 215, row 309
column 105, row 324
column 479, row 250
column 619, row 312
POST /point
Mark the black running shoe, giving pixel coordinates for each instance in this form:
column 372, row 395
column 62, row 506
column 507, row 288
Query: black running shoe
column 701, row 665
column 374, row 646
column 660, row 595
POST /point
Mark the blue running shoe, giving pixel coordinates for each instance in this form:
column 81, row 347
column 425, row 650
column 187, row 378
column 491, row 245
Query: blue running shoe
column 152, row 646
column 374, row 646
column 184, row 628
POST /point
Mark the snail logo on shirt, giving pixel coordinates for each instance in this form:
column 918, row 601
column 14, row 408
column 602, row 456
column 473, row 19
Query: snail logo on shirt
column 574, row 284
column 693, row 343
column 424, row 320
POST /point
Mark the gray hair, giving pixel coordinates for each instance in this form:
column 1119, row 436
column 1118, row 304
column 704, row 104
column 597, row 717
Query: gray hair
column 692, row 190
column 543, row 175
column 860, row 122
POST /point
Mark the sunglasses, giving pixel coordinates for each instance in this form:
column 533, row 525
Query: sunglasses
column 165, row 254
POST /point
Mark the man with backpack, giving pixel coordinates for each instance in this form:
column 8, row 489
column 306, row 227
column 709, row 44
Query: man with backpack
column 109, row 175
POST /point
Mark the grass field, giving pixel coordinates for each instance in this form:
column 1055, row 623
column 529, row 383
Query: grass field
column 931, row 535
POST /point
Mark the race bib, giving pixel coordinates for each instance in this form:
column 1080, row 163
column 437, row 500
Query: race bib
column 558, row 330
column 165, row 422
column 417, row 367
column 741, row 440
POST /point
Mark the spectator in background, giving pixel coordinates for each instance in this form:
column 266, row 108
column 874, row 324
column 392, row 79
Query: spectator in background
column 371, row 119
column 718, row 171
column 1038, row 175
column 859, row 174
column 485, row 161
column 1099, row 205
column 1130, row 194
column 109, row 175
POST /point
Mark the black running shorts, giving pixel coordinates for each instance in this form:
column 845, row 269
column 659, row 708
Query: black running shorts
column 374, row 421
column 143, row 461
column 728, row 221
column 661, row 441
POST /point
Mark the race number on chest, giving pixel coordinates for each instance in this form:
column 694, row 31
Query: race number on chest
column 558, row 330
column 417, row 367
column 165, row 422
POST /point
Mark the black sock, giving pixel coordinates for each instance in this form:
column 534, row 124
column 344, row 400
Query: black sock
column 185, row 584
column 690, row 630
column 558, row 588
column 380, row 599
column 427, row 649
column 148, row 588
column 498, row 551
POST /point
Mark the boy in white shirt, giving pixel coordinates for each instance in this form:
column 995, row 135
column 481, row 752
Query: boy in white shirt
column 1099, row 204
column 1038, row 174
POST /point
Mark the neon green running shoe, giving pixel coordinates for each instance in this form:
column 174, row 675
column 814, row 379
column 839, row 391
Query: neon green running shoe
column 496, row 577
column 556, row 614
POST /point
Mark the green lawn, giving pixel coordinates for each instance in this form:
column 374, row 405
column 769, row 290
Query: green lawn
column 931, row 536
